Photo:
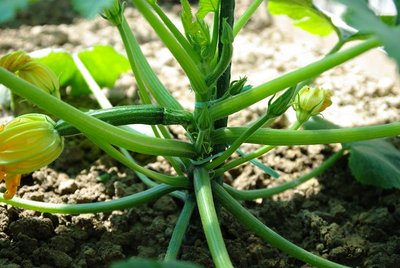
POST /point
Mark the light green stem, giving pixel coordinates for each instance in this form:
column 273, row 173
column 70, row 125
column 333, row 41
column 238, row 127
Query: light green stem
column 250, row 156
column 188, row 65
column 241, row 139
column 117, row 204
column 269, row 192
column 251, row 222
column 209, row 219
column 306, row 137
column 249, row 97
column 177, row 181
column 178, row 35
column 90, row 125
column 142, row 70
column 242, row 21
column 180, row 229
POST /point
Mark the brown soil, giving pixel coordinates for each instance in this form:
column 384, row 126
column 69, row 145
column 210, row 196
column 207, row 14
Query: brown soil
column 333, row 216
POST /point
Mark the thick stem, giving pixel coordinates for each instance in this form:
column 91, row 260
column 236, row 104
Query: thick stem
column 87, row 124
column 209, row 218
column 251, row 222
column 307, row 137
column 227, row 11
column 145, row 76
column 186, row 62
column 249, row 97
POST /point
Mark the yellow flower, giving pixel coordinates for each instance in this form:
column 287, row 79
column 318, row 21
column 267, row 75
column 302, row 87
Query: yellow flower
column 311, row 101
column 27, row 143
column 32, row 71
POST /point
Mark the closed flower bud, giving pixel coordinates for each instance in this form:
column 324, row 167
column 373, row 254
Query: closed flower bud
column 32, row 71
column 310, row 102
column 27, row 143
column 114, row 13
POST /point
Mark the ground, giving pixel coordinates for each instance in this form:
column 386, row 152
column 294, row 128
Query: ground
column 333, row 215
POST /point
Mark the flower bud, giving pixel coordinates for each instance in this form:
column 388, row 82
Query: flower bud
column 114, row 13
column 311, row 101
column 32, row 71
column 27, row 143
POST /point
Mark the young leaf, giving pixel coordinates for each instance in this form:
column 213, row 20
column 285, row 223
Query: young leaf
column 375, row 162
column 362, row 18
column 10, row 7
column 305, row 14
column 205, row 7
column 90, row 8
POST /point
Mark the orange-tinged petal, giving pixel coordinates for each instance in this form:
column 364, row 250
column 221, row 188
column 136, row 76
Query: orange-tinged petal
column 12, row 183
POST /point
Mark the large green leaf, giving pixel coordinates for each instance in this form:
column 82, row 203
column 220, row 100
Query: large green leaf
column 148, row 263
column 359, row 16
column 62, row 64
column 8, row 8
column 103, row 63
column 373, row 162
column 90, row 8
column 205, row 7
column 305, row 15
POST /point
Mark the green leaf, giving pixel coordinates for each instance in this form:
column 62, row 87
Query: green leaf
column 187, row 17
column 363, row 19
column 62, row 64
column 148, row 263
column 104, row 64
column 90, row 8
column 205, row 7
column 375, row 162
column 9, row 8
column 305, row 14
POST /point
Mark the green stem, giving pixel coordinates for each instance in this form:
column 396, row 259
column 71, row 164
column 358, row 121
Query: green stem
column 209, row 219
column 251, row 222
column 305, row 137
column 178, row 35
column 249, row 97
column 142, row 70
column 180, row 229
column 117, row 204
column 148, row 114
column 177, row 181
column 188, row 65
column 265, row 193
column 250, row 156
column 239, row 141
column 90, row 125
column 246, row 16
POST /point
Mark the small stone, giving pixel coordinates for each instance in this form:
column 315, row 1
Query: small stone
column 67, row 187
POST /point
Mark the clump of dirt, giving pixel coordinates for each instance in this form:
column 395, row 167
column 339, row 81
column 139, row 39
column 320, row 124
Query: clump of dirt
column 333, row 216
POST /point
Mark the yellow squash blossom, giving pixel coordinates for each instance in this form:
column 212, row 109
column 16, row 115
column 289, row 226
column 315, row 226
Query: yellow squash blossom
column 310, row 102
column 32, row 71
column 27, row 143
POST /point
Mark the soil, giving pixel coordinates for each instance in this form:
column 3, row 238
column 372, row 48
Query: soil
column 333, row 215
